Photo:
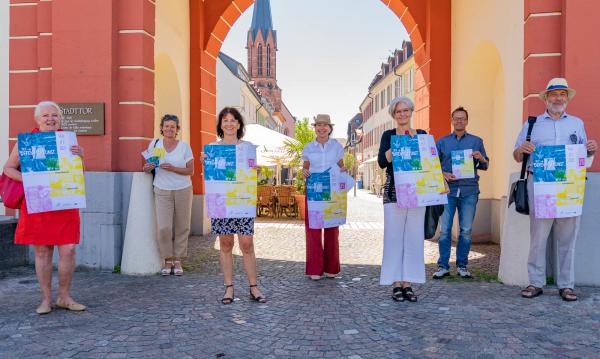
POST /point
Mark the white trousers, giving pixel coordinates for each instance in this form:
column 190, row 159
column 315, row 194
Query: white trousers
column 403, row 245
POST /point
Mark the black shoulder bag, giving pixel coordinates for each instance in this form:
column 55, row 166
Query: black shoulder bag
column 518, row 190
column 432, row 213
column 154, row 169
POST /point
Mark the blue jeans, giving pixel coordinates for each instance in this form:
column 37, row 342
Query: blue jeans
column 466, row 213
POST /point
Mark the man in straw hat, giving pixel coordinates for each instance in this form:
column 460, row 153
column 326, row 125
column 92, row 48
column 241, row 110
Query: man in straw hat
column 553, row 127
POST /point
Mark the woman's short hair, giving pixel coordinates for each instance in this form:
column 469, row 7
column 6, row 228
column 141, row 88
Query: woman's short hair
column 237, row 115
column 38, row 108
column 400, row 99
column 166, row 118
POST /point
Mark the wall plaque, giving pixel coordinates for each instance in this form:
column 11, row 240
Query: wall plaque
column 83, row 118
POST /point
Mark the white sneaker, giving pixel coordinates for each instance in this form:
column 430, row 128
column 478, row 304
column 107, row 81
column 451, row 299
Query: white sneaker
column 441, row 273
column 463, row 272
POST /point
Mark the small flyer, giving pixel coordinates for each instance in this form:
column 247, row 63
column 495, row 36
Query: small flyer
column 463, row 165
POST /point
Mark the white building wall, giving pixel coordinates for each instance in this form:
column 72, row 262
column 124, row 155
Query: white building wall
column 382, row 117
column 4, row 34
column 228, row 88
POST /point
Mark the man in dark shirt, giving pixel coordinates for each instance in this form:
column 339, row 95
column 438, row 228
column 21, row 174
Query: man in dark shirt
column 459, row 146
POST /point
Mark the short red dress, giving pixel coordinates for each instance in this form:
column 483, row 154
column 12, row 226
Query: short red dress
column 47, row 228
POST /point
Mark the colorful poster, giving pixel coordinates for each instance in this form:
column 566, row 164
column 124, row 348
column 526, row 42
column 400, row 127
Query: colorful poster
column 417, row 171
column 230, row 180
column 52, row 176
column 155, row 155
column 463, row 165
column 326, row 194
column 559, row 180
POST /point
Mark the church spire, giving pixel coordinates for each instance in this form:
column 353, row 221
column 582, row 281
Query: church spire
column 262, row 20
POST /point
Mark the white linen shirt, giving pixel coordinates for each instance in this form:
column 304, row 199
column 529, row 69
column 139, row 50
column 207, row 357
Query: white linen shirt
column 178, row 157
column 322, row 157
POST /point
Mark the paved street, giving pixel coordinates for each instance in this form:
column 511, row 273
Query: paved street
column 347, row 317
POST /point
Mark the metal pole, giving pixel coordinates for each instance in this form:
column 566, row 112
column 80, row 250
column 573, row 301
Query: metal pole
column 354, row 169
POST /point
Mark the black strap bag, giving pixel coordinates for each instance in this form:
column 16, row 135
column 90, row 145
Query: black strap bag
column 432, row 217
column 518, row 190
column 153, row 172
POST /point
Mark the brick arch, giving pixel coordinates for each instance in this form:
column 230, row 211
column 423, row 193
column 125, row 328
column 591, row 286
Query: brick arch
column 428, row 26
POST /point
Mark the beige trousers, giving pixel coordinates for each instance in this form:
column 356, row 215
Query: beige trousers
column 173, row 216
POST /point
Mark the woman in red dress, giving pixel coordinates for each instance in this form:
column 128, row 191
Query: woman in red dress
column 48, row 229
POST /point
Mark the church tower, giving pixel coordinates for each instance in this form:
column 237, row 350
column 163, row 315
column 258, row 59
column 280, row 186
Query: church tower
column 262, row 49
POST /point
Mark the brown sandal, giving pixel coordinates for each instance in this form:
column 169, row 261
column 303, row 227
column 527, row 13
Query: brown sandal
column 531, row 292
column 567, row 294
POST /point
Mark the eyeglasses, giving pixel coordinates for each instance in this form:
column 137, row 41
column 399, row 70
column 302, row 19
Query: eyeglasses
column 459, row 119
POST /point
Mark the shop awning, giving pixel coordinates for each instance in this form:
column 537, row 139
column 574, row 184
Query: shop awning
column 370, row 160
column 270, row 150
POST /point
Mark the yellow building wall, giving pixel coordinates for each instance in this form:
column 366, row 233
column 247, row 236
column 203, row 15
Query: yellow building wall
column 487, row 79
column 172, row 63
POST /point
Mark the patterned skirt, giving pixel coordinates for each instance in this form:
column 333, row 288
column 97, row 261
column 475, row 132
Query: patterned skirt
column 244, row 226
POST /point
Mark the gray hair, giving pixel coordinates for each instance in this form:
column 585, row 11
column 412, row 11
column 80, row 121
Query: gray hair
column 400, row 99
column 38, row 108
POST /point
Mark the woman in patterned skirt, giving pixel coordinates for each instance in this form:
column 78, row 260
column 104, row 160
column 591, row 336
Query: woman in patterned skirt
column 230, row 130
column 44, row 230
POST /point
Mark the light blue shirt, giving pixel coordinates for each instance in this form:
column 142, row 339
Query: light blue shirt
column 567, row 130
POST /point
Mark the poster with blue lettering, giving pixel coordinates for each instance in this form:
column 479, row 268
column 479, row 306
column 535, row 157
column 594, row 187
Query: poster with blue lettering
column 417, row 171
column 52, row 176
column 327, row 199
column 230, row 180
column 559, row 180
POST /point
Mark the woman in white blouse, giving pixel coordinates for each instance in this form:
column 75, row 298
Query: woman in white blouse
column 318, row 156
column 172, row 194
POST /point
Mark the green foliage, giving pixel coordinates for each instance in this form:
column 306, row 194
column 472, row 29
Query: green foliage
column 304, row 135
column 349, row 162
column 117, row 269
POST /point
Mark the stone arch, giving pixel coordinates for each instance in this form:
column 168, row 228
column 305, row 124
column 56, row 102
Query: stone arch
column 428, row 26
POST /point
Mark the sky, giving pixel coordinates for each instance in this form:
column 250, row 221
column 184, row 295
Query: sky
column 329, row 52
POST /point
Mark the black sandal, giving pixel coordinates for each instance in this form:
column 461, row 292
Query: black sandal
column 228, row 300
column 397, row 294
column 409, row 295
column 258, row 299
column 567, row 294
column 531, row 292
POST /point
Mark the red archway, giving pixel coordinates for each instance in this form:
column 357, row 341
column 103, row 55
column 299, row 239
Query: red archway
column 429, row 28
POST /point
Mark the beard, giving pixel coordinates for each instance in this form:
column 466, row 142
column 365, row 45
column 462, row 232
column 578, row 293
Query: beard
column 556, row 108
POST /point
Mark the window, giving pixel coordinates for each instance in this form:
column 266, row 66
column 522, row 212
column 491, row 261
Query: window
column 268, row 60
column 389, row 94
column 382, row 99
column 260, row 60
column 376, row 103
column 399, row 91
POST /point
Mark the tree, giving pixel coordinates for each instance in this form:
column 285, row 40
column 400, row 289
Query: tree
column 304, row 135
column 349, row 162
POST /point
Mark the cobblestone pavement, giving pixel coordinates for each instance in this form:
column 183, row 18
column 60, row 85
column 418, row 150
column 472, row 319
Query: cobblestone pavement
column 347, row 317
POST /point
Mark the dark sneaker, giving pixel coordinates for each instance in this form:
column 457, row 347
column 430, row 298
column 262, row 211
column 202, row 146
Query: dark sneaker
column 441, row 273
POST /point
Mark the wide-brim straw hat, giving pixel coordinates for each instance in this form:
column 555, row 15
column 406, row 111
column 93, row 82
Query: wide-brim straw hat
column 557, row 83
column 324, row 119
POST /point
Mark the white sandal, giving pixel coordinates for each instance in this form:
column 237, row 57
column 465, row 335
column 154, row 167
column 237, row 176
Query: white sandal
column 178, row 271
column 167, row 270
